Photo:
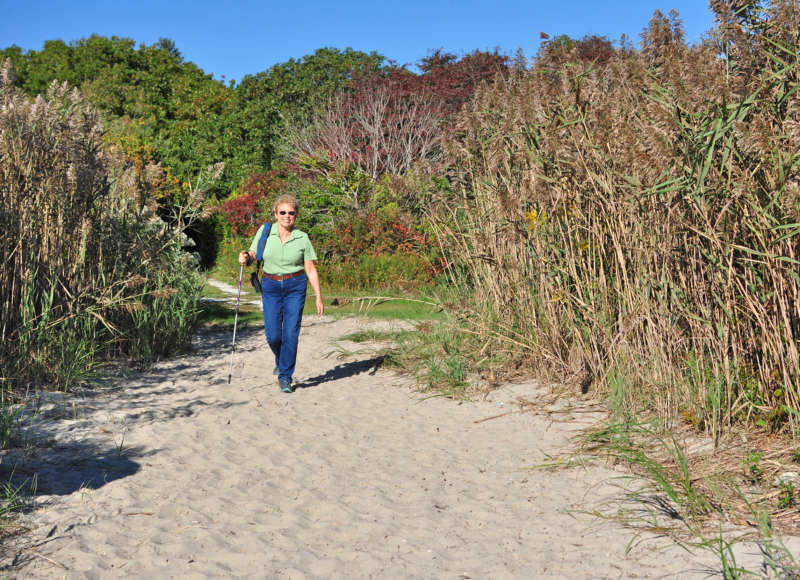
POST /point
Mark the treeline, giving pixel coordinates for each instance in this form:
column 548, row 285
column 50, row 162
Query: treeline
column 161, row 109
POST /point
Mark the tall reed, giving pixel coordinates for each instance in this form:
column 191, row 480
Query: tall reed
column 635, row 223
column 84, row 255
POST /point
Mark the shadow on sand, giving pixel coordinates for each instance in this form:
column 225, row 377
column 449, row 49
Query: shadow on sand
column 343, row 371
column 65, row 469
column 58, row 470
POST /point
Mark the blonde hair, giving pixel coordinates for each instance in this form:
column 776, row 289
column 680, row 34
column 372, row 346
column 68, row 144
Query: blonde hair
column 286, row 198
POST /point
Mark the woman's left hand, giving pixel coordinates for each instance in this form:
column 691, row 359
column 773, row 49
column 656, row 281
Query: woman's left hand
column 313, row 279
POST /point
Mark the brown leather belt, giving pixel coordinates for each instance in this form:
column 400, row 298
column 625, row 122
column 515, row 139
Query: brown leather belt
column 280, row 277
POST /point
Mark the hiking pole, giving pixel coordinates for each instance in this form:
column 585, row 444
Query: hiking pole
column 235, row 320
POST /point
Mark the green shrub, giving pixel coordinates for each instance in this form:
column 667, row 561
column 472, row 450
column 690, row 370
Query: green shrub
column 392, row 273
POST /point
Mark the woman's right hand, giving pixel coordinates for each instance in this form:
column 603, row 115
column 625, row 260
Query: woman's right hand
column 244, row 258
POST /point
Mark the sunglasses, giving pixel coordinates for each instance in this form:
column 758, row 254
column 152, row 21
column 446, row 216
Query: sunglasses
column 284, row 212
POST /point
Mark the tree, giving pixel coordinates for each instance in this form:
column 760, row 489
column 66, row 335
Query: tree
column 298, row 88
column 53, row 62
column 158, row 107
column 454, row 80
column 377, row 130
column 390, row 120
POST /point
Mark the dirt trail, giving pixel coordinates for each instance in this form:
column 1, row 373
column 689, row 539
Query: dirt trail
column 175, row 473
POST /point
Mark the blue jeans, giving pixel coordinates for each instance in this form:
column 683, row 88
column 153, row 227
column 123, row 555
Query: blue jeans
column 283, row 303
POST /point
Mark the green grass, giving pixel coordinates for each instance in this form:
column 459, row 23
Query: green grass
column 381, row 288
column 693, row 498
column 657, row 457
column 389, row 307
column 14, row 499
column 222, row 313
column 210, row 291
column 10, row 418
column 377, row 336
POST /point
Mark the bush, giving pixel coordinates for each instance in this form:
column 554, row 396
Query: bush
column 363, row 230
column 375, row 274
column 251, row 206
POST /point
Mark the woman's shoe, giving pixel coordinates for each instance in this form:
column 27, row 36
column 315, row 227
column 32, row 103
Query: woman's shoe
column 286, row 386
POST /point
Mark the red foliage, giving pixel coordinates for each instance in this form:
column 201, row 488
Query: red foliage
column 445, row 78
column 264, row 184
column 247, row 211
column 454, row 81
column 242, row 213
column 373, row 233
column 595, row 49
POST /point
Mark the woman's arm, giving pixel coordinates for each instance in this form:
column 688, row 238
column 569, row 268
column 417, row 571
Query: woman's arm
column 313, row 279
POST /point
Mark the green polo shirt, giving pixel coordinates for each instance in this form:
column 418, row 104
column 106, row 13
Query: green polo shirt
column 284, row 258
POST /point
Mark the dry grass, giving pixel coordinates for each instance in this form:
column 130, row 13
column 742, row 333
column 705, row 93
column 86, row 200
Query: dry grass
column 635, row 225
column 88, row 270
column 745, row 481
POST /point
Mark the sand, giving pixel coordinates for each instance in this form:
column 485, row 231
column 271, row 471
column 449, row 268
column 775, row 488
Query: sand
column 174, row 473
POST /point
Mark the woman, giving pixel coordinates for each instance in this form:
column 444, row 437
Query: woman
column 288, row 265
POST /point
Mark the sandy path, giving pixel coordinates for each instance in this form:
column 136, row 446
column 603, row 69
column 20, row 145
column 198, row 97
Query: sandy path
column 175, row 473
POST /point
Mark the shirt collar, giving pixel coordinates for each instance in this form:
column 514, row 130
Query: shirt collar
column 293, row 236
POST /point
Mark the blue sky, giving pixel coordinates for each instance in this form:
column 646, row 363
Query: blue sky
column 232, row 38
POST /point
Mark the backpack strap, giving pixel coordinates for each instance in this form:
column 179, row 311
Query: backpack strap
column 262, row 242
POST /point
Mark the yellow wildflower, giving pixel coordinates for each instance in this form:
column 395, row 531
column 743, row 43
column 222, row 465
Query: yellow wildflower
column 535, row 218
